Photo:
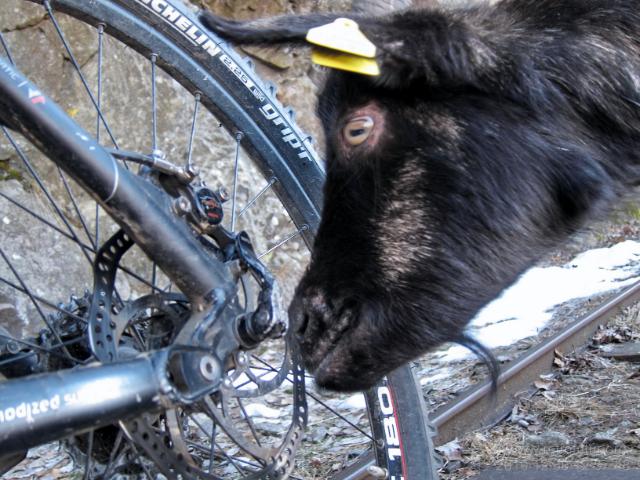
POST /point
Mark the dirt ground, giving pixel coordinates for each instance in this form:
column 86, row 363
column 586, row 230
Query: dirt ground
column 585, row 413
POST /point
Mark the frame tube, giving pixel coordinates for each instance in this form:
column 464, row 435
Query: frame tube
column 41, row 408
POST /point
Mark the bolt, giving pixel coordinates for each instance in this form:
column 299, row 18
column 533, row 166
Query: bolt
column 242, row 359
column 159, row 155
column 182, row 206
column 13, row 348
column 192, row 170
column 223, row 194
column 227, row 383
column 209, row 368
column 377, row 473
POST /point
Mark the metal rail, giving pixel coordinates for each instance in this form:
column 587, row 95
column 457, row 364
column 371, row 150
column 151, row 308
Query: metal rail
column 477, row 408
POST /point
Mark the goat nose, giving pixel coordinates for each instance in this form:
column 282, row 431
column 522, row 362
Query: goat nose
column 308, row 312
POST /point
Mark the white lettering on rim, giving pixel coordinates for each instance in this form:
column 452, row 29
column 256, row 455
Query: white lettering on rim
column 391, row 431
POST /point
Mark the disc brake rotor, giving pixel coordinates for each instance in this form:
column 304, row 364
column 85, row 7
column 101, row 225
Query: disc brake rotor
column 217, row 434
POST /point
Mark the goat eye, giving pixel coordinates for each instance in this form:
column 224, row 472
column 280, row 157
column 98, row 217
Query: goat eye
column 358, row 130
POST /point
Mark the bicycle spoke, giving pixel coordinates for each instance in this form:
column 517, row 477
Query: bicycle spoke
column 253, row 378
column 98, row 129
column 87, row 465
column 75, row 206
column 99, row 79
column 44, row 189
column 340, row 416
column 88, row 248
column 192, row 134
column 46, row 222
column 212, row 415
column 137, row 337
column 229, row 458
column 288, row 238
column 269, row 184
column 76, row 66
column 249, row 422
column 34, row 346
column 114, row 456
column 323, row 404
column 212, row 439
column 239, row 136
column 133, row 448
column 33, row 300
column 5, row 47
column 154, row 134
column 154, row 105
column 42, row 300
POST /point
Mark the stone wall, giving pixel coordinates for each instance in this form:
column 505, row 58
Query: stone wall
column 52, row 265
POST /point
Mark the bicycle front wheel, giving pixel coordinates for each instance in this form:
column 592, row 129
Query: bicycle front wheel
column 145, row 76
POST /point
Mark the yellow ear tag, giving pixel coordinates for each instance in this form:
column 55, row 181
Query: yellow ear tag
column 344, row 61
column 343, row 35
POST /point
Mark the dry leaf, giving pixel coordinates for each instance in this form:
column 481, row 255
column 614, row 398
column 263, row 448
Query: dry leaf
column 543, row 385
column 451, row 451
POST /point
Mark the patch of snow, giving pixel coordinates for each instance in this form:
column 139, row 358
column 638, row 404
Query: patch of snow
column 526, row 307
column 259, row 410
column 442, row 374
column 243, row 382
column 354, row 402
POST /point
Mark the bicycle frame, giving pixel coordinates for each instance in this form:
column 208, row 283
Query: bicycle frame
column 46, row 407
column 142, row 210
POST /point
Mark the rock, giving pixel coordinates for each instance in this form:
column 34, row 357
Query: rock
column 453, row 466
column 451, row 451
column 625, row 425
column 318, row 434
column 548, row 439
column 14, row 15
column 270, row 428
column 585, row 421
column 606, row 439
column 626, row 352
column 577, row 380
column 279, row 58
column 52, row 266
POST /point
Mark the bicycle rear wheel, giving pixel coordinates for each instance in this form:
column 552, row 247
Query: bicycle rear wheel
column 179, row 71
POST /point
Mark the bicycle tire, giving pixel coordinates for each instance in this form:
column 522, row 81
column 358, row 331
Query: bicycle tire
column 234, row 94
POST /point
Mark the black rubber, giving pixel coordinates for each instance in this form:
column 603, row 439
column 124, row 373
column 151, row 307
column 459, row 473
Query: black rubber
column 279, row 149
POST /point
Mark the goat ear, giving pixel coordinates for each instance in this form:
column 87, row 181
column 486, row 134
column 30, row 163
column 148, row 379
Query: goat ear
column 396, row 53
column 267, row 31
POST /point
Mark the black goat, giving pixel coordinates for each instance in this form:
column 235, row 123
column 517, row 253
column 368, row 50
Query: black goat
column 493, row 132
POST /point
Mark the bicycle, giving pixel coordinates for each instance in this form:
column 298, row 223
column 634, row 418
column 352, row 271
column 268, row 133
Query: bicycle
column 145, row 368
